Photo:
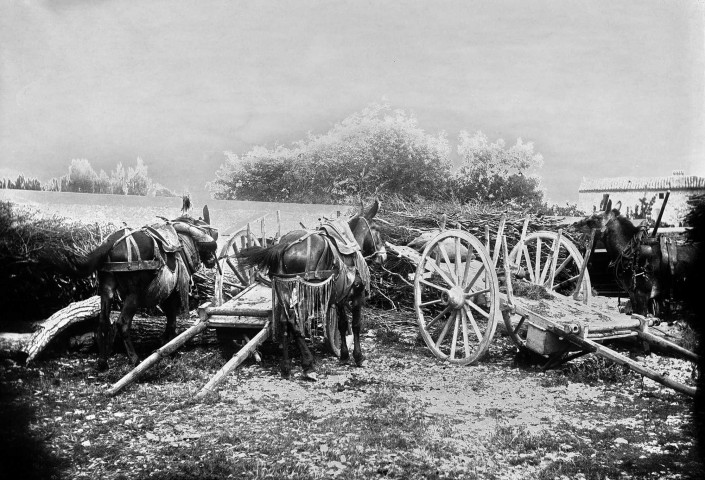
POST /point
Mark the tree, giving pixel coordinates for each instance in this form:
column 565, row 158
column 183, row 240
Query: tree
column 493, row 172
column 81, row 177
column 376, row 150
column 138, row 181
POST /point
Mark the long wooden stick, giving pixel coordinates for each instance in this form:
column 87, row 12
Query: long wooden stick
column 507, row 273
column 154, row 358
column 554, row 259
column 234, row 362
column 583, row 267
column 663, row 343
column 636, row 366
column 498, row 239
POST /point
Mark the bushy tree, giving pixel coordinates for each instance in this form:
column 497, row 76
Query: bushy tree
column 81, row 177
column 378, row 150
column 138, row 181
column 493, row 172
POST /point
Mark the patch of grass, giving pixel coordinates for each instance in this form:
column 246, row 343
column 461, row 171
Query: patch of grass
column 554, row 379
column 387, row 336
column 594, row 369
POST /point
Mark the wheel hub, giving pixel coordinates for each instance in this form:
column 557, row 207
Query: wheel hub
column 454, row 297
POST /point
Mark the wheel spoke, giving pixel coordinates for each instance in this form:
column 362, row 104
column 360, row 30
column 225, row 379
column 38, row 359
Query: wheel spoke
column 475, row 327
column 442, row 336
column 439, row 271
column 476, row 293
column 476, row 308
column 432, row 302
column 446, row 259
column 474, row 279
column 564, row 264
column 574, row 277
column 525, row 250
column 438, row 317
column 466, row 343
column 537, row 266
column 468, row 261
column 454, row 341
column 458, row 258
column 438, row 287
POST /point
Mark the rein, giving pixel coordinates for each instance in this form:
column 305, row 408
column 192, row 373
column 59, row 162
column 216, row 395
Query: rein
column 378, row 249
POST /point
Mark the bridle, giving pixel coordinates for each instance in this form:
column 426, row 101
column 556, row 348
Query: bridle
column 379, row 249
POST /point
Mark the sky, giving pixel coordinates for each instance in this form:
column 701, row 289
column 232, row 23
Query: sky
column 601, row 88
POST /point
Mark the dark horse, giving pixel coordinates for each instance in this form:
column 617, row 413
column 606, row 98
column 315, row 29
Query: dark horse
column 647, row 269
column 147, row 267
column 307, row 255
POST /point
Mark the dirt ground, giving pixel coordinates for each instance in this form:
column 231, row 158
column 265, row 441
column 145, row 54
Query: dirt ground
column 404, row 415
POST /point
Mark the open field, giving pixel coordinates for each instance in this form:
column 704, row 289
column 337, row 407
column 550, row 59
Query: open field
column 405, row 415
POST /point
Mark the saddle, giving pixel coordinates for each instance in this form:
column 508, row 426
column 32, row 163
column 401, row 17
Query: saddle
column 166, row 244
column 165, row 235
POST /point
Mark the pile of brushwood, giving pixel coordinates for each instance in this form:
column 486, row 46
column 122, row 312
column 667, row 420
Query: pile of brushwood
column 402, row 222
column 30, row 291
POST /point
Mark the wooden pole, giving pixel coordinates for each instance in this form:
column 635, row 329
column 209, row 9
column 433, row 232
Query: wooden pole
column 554, row 259
column 279, row 226
column 234, row 362
column 583, row 267
column 660, row 214
column 156, row 357
column 665, row 344
column 487, row 238
column 498, row 239
column 264, row 237
column 507, row 273
column 636, row 366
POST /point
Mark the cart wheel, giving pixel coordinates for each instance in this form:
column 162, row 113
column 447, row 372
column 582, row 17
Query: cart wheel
column 231, row 277
column 534, row 261
column 456, row 296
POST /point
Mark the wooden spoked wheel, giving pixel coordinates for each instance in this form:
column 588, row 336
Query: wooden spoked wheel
column 534, row 262
column 456, row 297
column 232, row 277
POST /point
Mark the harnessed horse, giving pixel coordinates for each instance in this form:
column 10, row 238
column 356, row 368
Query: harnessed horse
column 331, row 259
column 647, row 269
column 147, row 267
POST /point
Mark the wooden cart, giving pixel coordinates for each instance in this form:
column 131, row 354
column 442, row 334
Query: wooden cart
column 544, row 299
column 241, row 307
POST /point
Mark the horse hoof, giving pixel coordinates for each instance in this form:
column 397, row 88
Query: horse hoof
column 311, row 376
column 360, row 362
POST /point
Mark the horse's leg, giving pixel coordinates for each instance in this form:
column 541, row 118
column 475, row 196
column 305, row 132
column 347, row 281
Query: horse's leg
column 104, row 334
column 171, row 307
column 343, row 329
column 282, row 316
column 306, row 355
column 129, row 309
column 358, row 301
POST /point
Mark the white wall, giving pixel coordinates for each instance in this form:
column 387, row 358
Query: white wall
column 676, row 208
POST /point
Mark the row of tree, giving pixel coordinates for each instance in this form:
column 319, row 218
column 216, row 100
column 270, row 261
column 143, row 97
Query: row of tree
column 82, row 178
column 383, row 151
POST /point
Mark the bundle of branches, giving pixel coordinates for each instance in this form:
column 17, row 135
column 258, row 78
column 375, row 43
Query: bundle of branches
column 402, row 222
column 29, row 290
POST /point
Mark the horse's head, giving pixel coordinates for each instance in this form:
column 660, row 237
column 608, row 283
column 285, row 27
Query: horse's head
column 367, row 234
column 599, row 220
column 204, row 236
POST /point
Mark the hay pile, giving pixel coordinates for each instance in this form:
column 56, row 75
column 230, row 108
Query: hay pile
column 402, row 222
column 29, row 291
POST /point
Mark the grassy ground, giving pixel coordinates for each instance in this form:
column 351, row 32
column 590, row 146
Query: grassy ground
column 405, row 415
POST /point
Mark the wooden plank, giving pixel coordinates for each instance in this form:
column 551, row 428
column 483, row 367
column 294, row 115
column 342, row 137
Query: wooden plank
column 230, row 321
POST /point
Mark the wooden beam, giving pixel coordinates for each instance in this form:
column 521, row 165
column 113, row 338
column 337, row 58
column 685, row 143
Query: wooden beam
column 234, row 362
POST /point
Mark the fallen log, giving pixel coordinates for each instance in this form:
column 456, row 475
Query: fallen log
column 60, row 321
column 146, row 331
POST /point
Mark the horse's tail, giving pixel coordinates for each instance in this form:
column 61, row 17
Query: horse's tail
column 264, row 258
column 78, row 265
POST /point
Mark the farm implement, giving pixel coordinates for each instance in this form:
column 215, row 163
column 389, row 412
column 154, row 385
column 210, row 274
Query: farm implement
column 462, row 286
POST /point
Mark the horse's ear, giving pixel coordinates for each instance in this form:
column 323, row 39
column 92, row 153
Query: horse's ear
column 369, row 214
column 608, row 207
column 618, row 206
column 206, row 215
